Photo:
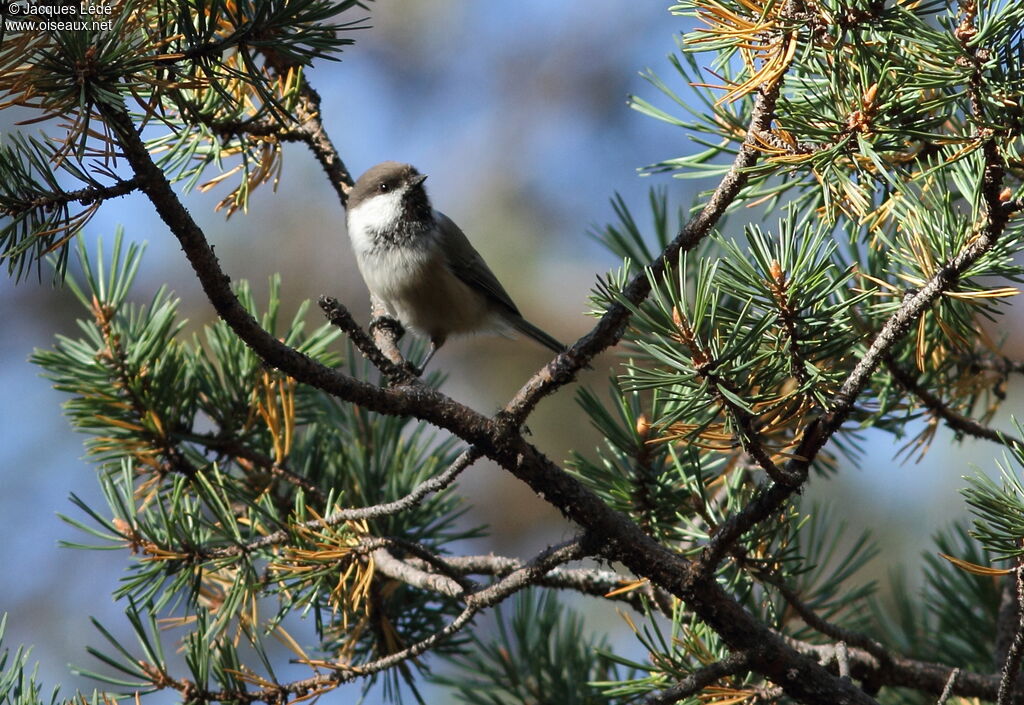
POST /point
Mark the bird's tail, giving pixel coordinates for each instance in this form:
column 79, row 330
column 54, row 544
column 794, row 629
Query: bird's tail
column 526, row 328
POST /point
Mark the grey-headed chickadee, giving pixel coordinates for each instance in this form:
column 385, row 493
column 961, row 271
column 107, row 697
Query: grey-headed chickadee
column 421, row 265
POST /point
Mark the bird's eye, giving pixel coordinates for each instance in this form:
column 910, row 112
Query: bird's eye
column 383, row 187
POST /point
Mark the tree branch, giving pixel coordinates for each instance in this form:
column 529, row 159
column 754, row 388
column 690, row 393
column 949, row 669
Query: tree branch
column 434, row 484
column 1011, row 667
column 307, row 113
column 234, row 447
column 1005, row 366
column 339, row 316
column 767, row 501
column 954, row 419
column 397, row 569
column 475, row 602
column 586, row 581
column 613, row 323
column 731, row 665
column 832, row 631
column 902, row 672
column 84, row 196
column 620, row 537
column 947, row 692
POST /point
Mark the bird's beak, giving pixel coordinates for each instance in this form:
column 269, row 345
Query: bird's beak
column 419, row 179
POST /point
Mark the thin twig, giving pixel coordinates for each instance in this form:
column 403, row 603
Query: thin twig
column 954, row 419
column 843, row 660
column 1002, row 364
column 307, row 113
column 705, row 365
column 733, row 664
column 84, row 196
column 1011, row 667
column 234, row 447
column 386, row 564
column 586, row 581
column 947, row 692
column 788, row 318
column 255, row 127
column 748, row 434
column 428, row 556
column 434, row 484
column 386, row 331
column 475, row 602
column 339, row 316
column 833, row 631
column 901, row 672
column 613, row 323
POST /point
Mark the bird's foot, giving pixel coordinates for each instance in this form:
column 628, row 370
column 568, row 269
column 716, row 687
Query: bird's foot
column 387, row 324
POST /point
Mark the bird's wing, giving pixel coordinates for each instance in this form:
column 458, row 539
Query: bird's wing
column 467, row 264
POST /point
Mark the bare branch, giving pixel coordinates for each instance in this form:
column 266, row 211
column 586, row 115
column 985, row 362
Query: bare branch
column 255, row 127
column 954, row 419
column 833, row 631
column 387, row 564
column 84, row 196
column 1011, row 667
column 901, row 672
column 947, row 692
column 587, row 581
column 339, row 316
column 434, row 484
column 386, row 332
column 475, row 602
column 1005, row 366
column 843, row 660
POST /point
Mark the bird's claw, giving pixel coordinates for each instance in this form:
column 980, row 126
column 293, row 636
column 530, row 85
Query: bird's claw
column 387, row 324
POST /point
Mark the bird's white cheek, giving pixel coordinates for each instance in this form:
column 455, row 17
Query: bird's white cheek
column 374, row 215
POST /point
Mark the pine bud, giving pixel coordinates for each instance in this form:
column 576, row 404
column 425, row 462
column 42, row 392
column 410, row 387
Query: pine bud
column 643, row 426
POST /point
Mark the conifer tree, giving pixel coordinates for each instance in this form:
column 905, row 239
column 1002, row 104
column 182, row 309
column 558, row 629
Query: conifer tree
column 260, row 474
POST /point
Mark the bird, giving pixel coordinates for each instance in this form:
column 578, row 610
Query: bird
column 422, row 267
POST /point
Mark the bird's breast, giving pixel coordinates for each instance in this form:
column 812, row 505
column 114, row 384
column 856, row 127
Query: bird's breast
column 418, row 288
